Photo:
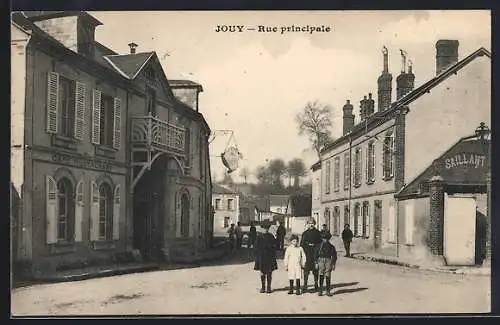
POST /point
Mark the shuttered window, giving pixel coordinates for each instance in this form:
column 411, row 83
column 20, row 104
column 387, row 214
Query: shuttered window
column 79, row 205
column 347, row 170
column 336, row 174
column 65, row 106
column 366, row 219
column 357, row 166
column 358, row 222
column 106, row 120
column 328, row 177
column 370, row 163
column 388, row 153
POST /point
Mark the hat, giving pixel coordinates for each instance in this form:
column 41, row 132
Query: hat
column 266, row 224
column 326, row 235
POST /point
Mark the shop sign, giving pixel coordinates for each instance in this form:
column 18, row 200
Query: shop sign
column 468, row 160
column 81, row 162
column 231, row 158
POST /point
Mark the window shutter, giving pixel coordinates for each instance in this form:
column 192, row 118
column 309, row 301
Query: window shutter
column 360, row 222
column 373, row 162
column 51, row 211
column 117, row 123
column 96, row 117
column 392, row 224
column 52, row 101
column 367, row 221
column 79, row 202
column 116, row 213
column 79, row 110
column 391, row 156
column 94, row 212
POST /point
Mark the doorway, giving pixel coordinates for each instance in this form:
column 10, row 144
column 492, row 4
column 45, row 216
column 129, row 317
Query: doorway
column 377, row 221
column 459, row 230
column 185, row 205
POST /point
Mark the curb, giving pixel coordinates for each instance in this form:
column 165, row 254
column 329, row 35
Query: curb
column 424, row 268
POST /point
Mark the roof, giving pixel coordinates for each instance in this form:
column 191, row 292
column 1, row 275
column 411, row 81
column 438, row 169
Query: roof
column 129, row 65
column 460, row 173
column 217, row 189
column 278, row 200
column 381, row 117
column 316, row 166
column 175, row 83
column 43, row 15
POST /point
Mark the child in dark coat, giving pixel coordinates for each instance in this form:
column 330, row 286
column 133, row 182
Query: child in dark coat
column 265, row 257
column 326, row 258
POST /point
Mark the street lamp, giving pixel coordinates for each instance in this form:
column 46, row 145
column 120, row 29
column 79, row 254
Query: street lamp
column 483, row 133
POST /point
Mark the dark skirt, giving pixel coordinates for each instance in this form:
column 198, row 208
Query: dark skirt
column 265, row 254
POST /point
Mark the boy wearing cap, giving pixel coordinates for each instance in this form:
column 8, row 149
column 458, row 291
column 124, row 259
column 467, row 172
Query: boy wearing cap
column 326, row 258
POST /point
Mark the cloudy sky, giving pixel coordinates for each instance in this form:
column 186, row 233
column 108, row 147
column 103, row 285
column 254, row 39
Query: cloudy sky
column 255, row 83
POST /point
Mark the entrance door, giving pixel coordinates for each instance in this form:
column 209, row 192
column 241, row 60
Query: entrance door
column 142, row 228
column 377, row 221
column 459, row 230
column 185, row 215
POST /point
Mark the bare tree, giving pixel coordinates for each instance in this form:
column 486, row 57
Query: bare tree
column 315, row 121
column 296, row 169
column 244, row 173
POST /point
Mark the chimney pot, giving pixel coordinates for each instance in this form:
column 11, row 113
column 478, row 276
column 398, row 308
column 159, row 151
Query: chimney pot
column 132, row 47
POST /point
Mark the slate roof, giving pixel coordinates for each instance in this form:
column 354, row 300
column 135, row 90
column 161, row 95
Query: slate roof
column 382, row 116
column 129, row 65
column 278, row 200
column 217, row 189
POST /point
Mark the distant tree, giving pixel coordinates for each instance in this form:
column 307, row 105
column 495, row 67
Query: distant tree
column 263, row 175
column 296, row 169
column 244, row 173
column 315, row 121
column 277, row 169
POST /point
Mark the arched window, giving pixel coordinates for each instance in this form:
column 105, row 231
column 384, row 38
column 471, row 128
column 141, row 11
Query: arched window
column 65, row 208
column 105, row 212
column 185, row 205
column 357, row 220
column 327, row 218
column 357, row 167
column 366, row 219
column 388, row 152
column 336, row 220
column 370, row 163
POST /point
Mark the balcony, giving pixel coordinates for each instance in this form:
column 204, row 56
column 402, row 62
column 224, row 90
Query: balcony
column 152, row 134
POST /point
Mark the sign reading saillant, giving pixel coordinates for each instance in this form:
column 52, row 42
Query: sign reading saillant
column 81, row 162
column 468, row 160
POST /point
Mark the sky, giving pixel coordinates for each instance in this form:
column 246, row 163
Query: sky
column 256, row 82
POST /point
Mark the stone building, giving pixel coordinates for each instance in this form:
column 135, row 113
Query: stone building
column 316, row 192
column 226, row 203
column 105, row 158
column 390, row 146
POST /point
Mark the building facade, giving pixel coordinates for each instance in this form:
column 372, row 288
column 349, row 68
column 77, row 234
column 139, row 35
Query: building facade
column 226, row 204
column 373, row 160
column 316, row 192
column 89, row 128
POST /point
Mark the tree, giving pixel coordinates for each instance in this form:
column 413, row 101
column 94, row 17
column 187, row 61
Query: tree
column 277, row 169
column 315, row 121
column 244, row 173
column 296, row 169
column 263, row 175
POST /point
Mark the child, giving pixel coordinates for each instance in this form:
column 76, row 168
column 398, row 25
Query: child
column 326, row 258
column 295, row 261
column 265, row 257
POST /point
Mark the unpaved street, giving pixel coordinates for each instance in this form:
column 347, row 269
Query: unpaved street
column 232, row 286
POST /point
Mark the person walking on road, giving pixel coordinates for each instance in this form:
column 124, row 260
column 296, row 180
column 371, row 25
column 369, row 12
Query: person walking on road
column 252, row 235
column 310, row 238
column 265, row 257
column 239, row 235
column 295, row 260
column 280, row 236
column 347, row 236
column 326, row 258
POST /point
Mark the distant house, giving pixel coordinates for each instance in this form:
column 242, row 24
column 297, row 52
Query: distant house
column 298, row 212
column 278, row 203
column 247, row 209
column 226, row 206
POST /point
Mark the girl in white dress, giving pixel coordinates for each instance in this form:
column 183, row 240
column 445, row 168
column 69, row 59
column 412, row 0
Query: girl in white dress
column 295, row 260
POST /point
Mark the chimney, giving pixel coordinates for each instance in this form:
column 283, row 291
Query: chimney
column 362, row 108
column 406, row 80
column 132, row 46
column 446, row 54
column 384, row 84
column 73, row 29
column 348, row 117
column 370, row 105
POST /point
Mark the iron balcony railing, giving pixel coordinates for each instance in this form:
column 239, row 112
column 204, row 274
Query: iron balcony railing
column 153, row 133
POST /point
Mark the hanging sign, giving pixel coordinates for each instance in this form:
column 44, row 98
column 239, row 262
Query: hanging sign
column 231, row 158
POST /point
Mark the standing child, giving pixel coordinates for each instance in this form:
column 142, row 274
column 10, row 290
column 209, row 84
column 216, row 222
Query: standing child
column 295, row 261
column 265, row 257
column 326, row 258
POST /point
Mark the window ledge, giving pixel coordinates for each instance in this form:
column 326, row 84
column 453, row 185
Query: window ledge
column 357, row 185
column 391, row 242
column 370, row 182
column 103, row 245
column 105, row 151
column 388, row 178
column 406, row 244
column 62, row 248
column 64, row 142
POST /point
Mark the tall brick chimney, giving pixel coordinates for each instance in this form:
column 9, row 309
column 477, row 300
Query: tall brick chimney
column 406, row 80
column 370, row 106
column 446, row 54
column 362, row 108
column 348, row 118
column 385, row 84
column 73, row 29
